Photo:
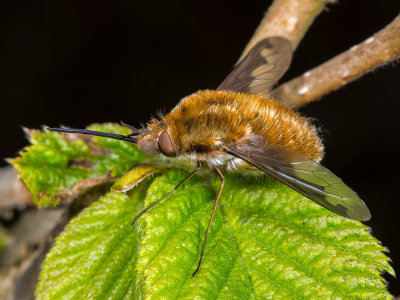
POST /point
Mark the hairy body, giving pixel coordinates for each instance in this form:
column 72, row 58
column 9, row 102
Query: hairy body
column 205, row 120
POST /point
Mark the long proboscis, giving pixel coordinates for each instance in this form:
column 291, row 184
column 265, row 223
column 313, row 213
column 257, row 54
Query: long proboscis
column 96, row 133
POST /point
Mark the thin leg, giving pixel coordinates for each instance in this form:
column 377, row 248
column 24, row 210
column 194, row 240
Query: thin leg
column 198, row 167
column 134, row 129
column 212, row 217
column 133, row 134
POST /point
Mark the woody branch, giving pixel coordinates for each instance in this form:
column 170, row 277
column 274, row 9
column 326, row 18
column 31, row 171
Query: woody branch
column 379, row 49
column 291, row 19
column 287, row 18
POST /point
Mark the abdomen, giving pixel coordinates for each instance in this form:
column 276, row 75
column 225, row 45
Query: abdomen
column 208, row 117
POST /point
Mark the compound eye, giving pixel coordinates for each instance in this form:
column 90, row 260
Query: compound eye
column 165, row 145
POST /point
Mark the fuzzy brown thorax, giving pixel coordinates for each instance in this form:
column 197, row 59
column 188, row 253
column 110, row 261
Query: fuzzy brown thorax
column 207, row 119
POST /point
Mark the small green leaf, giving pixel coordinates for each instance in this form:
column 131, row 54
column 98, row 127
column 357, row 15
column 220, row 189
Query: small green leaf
column 55, row 163
column 266, row 241
column 3, row 238
column 135, row 176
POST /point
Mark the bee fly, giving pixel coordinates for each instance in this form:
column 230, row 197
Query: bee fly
column 239, row 127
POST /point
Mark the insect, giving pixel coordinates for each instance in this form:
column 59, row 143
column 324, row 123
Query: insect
column 240, row 128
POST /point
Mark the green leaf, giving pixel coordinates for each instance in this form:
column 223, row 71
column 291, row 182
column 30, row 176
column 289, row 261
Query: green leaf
column 55, row 163
column 95, row 257
column 3, row 238
column 133, row 177
column 266, row 241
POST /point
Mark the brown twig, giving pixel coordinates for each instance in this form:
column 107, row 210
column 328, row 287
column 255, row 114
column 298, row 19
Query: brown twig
column 288, row 18
column 30, row 239
column 13, row 194
column 381, row 48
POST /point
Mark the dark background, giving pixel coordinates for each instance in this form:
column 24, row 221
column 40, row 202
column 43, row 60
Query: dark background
column 78, row 62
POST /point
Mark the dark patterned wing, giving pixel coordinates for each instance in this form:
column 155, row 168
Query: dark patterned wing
column 302, row 174
column 261, row 67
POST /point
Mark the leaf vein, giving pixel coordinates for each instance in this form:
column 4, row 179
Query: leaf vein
column 292, row 261
column 288, row 223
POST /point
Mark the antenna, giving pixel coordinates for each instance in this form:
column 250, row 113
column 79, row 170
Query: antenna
column 97, row 133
